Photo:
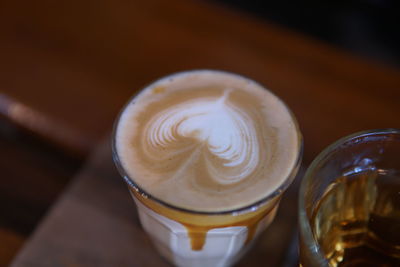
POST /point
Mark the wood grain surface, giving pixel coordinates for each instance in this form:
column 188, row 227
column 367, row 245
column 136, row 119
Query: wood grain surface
column 77, row 62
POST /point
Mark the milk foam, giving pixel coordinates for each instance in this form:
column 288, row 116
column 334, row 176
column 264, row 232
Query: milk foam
column 224, row 131
column 207, row 141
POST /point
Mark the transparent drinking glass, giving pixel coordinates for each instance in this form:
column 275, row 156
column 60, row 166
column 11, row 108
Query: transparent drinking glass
column 349, row 203
column 191, row 238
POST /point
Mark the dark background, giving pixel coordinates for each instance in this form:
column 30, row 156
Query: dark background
column 368, row 28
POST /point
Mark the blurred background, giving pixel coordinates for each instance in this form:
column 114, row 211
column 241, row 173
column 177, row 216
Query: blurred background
column 367, row 28
column 67, row 67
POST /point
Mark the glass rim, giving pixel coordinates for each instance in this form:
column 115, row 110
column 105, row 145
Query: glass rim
column 241, row 210
column 304, row 222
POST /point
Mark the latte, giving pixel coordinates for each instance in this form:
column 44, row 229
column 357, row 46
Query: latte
column 207, row 141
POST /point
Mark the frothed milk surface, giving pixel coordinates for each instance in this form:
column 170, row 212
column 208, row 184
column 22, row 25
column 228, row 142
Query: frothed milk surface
column 207, row 141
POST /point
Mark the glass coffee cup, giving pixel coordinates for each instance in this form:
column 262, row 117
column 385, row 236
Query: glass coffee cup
column 218, row 229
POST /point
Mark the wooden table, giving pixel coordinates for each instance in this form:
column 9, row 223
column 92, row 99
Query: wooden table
column 66, row 68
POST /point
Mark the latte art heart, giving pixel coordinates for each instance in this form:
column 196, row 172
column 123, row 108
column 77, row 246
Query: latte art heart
column 223, row 134
column 207, row 141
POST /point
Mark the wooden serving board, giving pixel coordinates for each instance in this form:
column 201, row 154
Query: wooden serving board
column 94, row 223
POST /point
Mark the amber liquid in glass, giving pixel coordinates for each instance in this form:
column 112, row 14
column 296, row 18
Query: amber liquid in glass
column 357, row 221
